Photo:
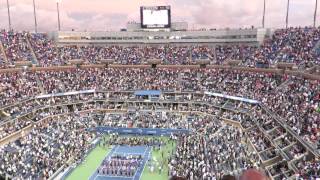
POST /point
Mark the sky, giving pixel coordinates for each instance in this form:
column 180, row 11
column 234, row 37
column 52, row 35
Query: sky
column 106, row 15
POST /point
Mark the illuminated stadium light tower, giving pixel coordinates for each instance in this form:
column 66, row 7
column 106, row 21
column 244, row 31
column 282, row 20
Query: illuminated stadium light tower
column 315, row 14
column 9, row 19
column 264, row 13
column 58, row 13
column 35, row 17
column 287, row 16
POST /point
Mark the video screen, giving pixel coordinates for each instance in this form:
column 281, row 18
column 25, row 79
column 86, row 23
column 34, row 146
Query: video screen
column 155, row 17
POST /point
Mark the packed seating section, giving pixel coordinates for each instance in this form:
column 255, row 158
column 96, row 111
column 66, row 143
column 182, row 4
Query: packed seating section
column 297, row 101
column 293, row 45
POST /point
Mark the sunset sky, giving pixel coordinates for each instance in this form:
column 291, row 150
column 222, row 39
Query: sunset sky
column 114, row 14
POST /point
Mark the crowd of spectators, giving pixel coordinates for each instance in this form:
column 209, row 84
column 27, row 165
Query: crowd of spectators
column 212, row 156
column 211, row 131
column 48, row 146
column 13, row 126
column 309, row 169
column 45, row 50
column 53, row 141
column 3, row 63
column 17, row 86
column 297, row 101
column 215, row 151
column 111, row 79
column 294, row 45
column 241, row 53
column 115, row 139
column 16, row 46
column 221, row 81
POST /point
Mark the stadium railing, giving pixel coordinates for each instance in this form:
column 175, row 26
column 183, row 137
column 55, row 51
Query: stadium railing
column 299, row 73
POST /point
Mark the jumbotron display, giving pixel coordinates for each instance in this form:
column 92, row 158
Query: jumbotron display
column 155, row 16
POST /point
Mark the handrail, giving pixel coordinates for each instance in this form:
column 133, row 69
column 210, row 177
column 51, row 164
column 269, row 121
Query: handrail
column 16, row 103
column 34, row 57
column 39, row 108
column 14, row 135
column 289, row 129
column 283, row 155
column 301, row 73
column 107, row 91
column 3, row 52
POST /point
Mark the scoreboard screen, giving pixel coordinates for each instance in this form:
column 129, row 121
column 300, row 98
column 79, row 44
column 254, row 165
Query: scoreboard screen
column 155, row 16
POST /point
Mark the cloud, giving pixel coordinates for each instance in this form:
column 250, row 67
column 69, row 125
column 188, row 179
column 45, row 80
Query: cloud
column 106, row 14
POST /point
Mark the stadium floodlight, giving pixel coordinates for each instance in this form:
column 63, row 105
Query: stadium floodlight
column 264, row 13
column 287, row 16
column 35, row 17
column 9, row 19
column 315, row 14
column 58, row 13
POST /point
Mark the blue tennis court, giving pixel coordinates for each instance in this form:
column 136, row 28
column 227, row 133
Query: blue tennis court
column 144, row 151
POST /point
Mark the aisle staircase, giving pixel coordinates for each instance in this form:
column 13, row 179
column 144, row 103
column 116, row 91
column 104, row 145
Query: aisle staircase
column 40, row 84
column 4, row 53
column 283, row 84
column 316, row 48
column 34, row 57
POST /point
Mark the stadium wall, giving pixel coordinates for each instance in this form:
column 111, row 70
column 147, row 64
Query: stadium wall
column 139, row 131
column 211, row 37
column 231, row 68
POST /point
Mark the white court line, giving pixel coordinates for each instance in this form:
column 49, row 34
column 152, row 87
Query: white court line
column 93, row 175
column 115, row 176
column 145, row 163
column 115, row 149
column 133, row 177
column 129, row 153
column 138, row 168
column 95, row 172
